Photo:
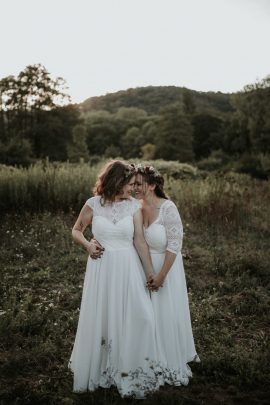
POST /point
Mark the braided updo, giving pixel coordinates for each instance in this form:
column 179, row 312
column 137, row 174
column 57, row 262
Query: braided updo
column 152, row 176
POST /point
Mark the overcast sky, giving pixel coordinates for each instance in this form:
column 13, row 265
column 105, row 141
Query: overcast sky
column 102, row 46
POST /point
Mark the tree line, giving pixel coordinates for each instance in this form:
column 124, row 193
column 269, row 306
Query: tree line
column 38, row 121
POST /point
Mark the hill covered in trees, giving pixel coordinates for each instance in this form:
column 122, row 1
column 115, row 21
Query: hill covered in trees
column 152, row 98
column 213, row 131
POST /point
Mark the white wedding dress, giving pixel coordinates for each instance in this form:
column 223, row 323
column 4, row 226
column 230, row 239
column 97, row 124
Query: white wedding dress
column 115, row 340
column 174, row 336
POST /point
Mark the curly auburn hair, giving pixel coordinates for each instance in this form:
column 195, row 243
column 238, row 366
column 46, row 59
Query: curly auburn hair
column 152, row 176
column 112, row 178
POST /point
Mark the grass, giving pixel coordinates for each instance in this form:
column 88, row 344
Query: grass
column 226, row 259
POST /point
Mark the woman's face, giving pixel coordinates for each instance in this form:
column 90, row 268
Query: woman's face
column 141, row 187
column 128, row 188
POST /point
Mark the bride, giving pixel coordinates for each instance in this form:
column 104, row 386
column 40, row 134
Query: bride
column 163, row 232
column 115, row 340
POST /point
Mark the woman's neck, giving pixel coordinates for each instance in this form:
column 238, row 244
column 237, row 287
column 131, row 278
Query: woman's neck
column 152, row 201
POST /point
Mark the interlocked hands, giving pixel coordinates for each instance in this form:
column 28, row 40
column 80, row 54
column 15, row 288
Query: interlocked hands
column 155, row 282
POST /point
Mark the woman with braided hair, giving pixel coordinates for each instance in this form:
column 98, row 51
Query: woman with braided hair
column 163, row 232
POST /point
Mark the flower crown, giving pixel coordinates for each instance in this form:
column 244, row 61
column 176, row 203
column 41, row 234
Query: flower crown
column 148, row 170
column 129, row 170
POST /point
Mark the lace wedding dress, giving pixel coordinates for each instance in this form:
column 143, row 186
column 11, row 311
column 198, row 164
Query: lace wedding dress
column 115, row 340
column 175, row 342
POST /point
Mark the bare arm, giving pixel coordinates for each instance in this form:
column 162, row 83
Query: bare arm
column 83, row 221
column 141, row 245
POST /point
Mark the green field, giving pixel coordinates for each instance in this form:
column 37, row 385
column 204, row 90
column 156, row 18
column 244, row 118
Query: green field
column 226, row 256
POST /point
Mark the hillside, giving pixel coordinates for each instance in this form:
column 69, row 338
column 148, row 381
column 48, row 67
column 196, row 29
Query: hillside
column 153, row 98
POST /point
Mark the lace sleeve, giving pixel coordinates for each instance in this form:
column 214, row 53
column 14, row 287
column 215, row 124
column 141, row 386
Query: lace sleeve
column 173, row 226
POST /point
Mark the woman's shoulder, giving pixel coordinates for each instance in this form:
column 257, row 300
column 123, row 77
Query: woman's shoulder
column 168, row 206
column 135, row 203
column 168, row 203
column 92, row 201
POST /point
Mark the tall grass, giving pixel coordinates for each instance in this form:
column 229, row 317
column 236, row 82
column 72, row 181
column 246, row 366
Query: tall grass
column 226, row 257
column 45, row 187
column 228, row 201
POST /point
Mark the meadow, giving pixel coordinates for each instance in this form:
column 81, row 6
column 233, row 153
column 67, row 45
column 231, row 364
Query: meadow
column 226, row 257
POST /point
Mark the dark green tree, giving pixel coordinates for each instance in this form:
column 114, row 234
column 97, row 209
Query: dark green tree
column 25, row 105
column 132, row 142
column 253, row 106
column 77, row 148
column 189, row 106
column 175, row 135
column 206, row 137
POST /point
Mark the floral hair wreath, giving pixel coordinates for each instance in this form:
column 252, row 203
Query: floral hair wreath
column 148, row 170
column 130, row 170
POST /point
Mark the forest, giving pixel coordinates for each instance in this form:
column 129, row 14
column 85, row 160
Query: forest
column 212, row 131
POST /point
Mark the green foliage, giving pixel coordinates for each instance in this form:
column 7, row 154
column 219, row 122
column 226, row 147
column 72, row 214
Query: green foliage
column 46, row 186
column 101, row 130
column 205, row 134
column 16, row 152
column 175, row 135
column 148, row 151
column 132, row 142
column 189, row 106
column 257, row 166
column 253, row 106
column 153, row 98
column 29, row 111
column 217, row 160
column 77, row 149
column 181, row 124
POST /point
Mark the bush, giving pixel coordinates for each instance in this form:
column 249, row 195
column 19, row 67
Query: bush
column 257, row 166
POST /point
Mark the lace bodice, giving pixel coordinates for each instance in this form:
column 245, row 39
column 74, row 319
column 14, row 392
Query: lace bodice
column 166, row 232
column 112, row 224
column 114, row 211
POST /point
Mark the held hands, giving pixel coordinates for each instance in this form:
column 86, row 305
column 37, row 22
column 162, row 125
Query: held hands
column 95, row 249
column 155, row 281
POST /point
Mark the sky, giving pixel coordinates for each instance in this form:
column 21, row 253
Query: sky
column 103, row 46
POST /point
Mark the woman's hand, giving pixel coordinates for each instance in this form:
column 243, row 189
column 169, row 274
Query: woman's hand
column 95, row 249
column 156, row 281
column 150, row 277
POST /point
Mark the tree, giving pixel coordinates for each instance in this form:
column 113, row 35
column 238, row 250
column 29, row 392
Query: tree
column 24, row 102
column 132, row 142
column 149, row 130
column 175, row 135
column 148, row 151
column 54, row 132
column 77, row 149
column 16, row 151
column 189, row 105
column 102, row 132
column 206, row 134
column 253, row 106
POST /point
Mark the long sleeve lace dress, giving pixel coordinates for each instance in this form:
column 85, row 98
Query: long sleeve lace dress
column 174, row 335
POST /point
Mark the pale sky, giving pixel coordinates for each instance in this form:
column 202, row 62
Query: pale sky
column 102, row 46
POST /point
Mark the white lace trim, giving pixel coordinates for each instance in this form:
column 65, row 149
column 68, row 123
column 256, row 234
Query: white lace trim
column 114, row 211
column 170, row 218
column 138, row 382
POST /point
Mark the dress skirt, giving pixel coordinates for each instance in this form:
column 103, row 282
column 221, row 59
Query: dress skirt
column 174, row 335
column 115, row 340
